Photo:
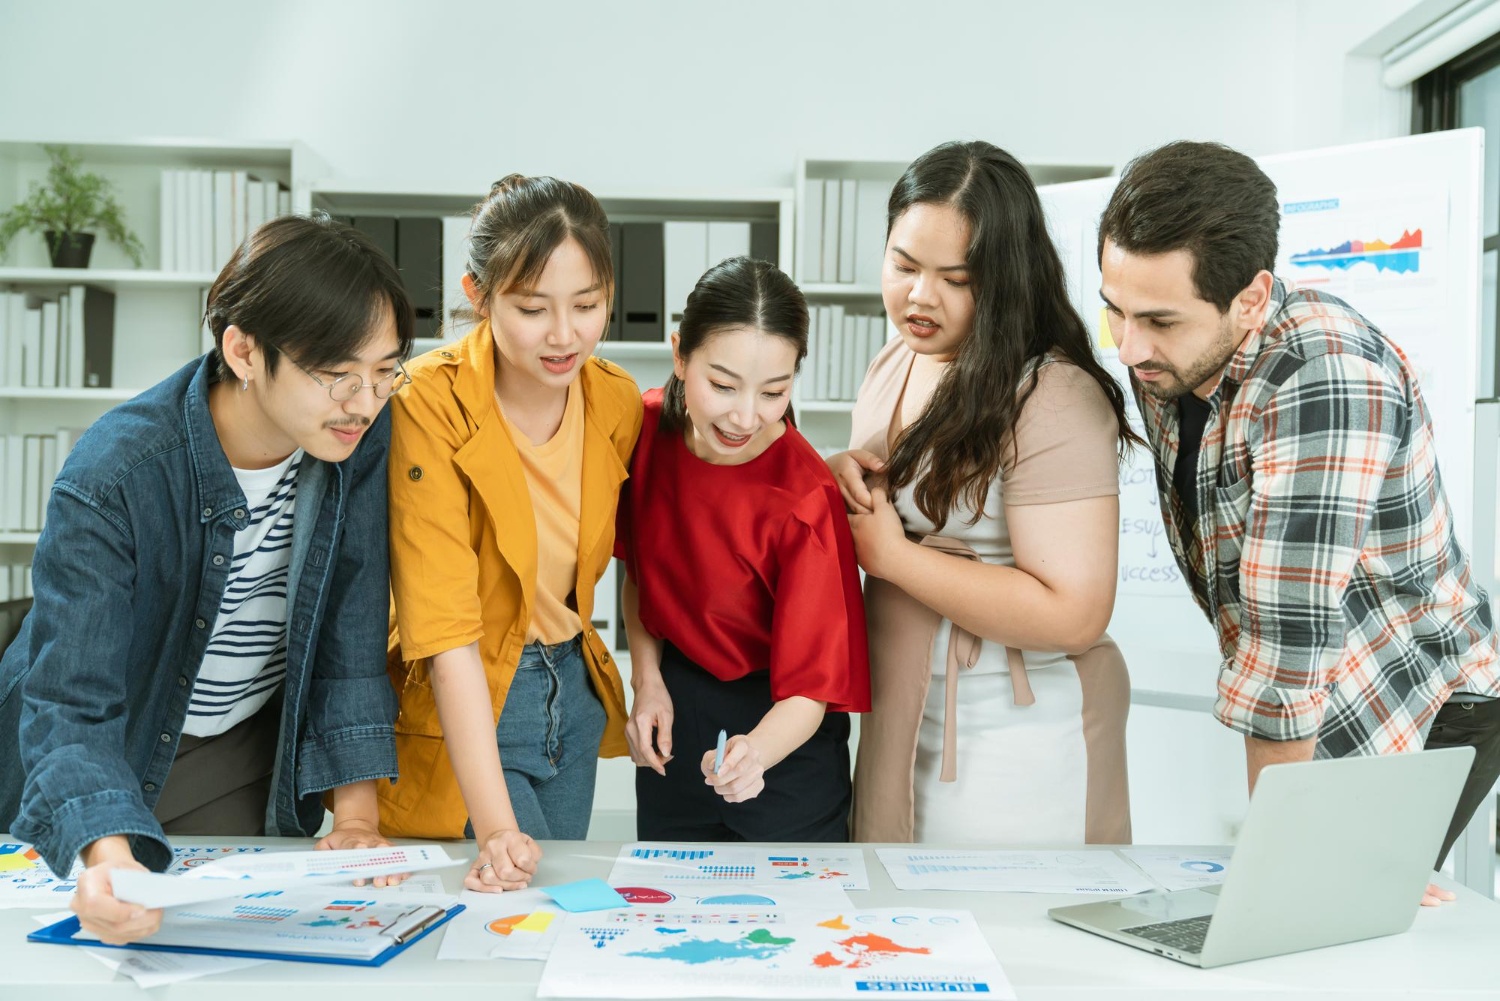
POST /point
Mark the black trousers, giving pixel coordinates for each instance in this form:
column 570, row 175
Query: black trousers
column 1476, row 725
column 806, row 798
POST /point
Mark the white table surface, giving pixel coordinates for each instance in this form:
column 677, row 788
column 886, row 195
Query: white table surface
column 1451, row 952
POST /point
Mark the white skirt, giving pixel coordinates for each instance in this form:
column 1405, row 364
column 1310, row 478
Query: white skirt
column 1022, row 770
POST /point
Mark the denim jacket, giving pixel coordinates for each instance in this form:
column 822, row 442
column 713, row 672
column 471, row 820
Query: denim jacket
column 128, row 577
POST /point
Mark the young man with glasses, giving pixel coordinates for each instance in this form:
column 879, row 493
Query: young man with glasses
column 206, row 651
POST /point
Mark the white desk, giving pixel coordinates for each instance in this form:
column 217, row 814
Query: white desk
column 1451, row 952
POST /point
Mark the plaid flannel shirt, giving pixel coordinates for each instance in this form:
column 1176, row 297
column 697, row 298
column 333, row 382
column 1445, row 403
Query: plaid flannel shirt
column 1324, row 553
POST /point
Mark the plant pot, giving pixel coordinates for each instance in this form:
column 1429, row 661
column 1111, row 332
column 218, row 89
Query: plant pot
column 69, row 250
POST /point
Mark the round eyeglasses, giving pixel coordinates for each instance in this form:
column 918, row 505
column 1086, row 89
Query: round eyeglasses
column 345, row 387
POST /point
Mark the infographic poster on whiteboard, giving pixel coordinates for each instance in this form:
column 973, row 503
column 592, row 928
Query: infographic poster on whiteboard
column 1381, row 251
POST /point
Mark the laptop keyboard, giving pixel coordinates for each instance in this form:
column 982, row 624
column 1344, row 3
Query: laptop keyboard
column 1186, row 935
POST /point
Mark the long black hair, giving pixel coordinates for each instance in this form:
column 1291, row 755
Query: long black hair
column 1021, row 312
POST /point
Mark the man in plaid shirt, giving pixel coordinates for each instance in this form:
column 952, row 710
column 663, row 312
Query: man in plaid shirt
column 1298, row 480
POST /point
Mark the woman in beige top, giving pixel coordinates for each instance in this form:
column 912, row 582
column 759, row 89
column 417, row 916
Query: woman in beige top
column 984, row 497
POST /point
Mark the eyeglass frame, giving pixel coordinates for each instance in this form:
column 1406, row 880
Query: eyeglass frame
column 360, row 382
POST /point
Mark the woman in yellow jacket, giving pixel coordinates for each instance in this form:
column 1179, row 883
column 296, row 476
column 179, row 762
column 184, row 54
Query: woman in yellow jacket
column 507, row 454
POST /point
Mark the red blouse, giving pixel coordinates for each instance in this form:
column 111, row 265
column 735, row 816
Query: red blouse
column 749, row 567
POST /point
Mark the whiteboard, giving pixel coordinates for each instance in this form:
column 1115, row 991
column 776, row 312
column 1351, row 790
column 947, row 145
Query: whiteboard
column 1350, row 222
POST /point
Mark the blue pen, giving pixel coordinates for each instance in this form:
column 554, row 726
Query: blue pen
column 719, row 751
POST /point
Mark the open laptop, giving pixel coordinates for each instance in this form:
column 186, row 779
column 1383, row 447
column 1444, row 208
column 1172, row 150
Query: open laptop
column 1331, row 851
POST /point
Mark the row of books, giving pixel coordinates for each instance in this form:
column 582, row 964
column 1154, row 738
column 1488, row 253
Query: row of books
column 843, row 231
column 206, row 214
column 57, row 340
column 30, row 462
column 840, row 347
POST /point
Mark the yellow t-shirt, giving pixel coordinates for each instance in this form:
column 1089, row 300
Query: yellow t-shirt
column 554, row 476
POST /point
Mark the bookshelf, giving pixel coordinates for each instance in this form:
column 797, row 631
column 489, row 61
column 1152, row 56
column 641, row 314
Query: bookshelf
column 151, row 315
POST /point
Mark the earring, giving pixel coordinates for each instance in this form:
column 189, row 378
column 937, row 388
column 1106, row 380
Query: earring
column 245, row 384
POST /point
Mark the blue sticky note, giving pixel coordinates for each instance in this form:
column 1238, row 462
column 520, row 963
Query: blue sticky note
column 585, row 895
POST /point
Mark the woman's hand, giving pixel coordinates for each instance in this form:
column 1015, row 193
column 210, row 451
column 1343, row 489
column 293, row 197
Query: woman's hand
column 651, row 719
column 848, row 469
column 878, row 535
column 742, row 774
column 507, row 861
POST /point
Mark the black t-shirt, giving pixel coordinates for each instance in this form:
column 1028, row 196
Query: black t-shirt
column 1192, row 415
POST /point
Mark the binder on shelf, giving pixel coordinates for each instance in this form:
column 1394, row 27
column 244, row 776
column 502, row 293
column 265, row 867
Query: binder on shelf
column 854, row 356
column 224, row 204
column 836, row 356
column 208, row 259
column 617, row 256
column 51, row 343
column 381, row 230
column 765, row 244
column 31, row 487
column 810, row 263
column 419, row 256
column 5, row 368
column 642, row 290
column 168, row 218
column 457, row 313
column 869, row 231
column 31, row 346
column 46, row 472
column 848, row 194
column 283, row 202
column 15, row 326
column 685, row 256
column 93, row 310
column 12, row 517
column 831, row 209
column 255, row 206
column 726, row 240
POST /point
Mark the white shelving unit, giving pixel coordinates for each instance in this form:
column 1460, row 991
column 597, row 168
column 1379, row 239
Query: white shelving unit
column 157, row 313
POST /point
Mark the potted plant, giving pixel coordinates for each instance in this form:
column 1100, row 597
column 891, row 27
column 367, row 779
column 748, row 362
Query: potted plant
column 71, row 201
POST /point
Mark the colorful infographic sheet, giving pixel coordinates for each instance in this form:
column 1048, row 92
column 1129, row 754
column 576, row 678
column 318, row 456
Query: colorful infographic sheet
column 237, row 875
column 1084, row 871
column 650, row 863
column 1182, row 868
column 317, row 921
column 26, row 881
column 890, row 952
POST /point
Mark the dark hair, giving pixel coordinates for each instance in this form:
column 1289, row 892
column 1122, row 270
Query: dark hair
column 1205, row 198
column 1021, row 312
column 309, row 287
column 737, row 292
column 522, row 221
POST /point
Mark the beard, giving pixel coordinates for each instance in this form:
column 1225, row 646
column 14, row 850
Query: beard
column 1181, row 381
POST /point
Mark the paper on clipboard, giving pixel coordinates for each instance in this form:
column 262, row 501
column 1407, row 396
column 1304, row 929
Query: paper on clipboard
column 236, row 876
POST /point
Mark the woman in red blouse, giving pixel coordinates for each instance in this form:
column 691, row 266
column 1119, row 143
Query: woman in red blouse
column 742, row 599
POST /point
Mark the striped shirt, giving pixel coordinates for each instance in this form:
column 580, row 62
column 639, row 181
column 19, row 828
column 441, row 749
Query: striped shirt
column 1324, row 553
column 246, row 655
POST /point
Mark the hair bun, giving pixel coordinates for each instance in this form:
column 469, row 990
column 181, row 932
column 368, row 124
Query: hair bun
column 507, row 183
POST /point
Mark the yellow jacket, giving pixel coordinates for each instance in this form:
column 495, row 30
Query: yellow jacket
column 463, row 556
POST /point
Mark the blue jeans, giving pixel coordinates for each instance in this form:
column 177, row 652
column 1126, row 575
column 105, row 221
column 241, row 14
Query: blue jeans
column 549, row 734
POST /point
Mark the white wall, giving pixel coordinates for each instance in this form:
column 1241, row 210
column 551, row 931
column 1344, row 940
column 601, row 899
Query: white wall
column 458, row 92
